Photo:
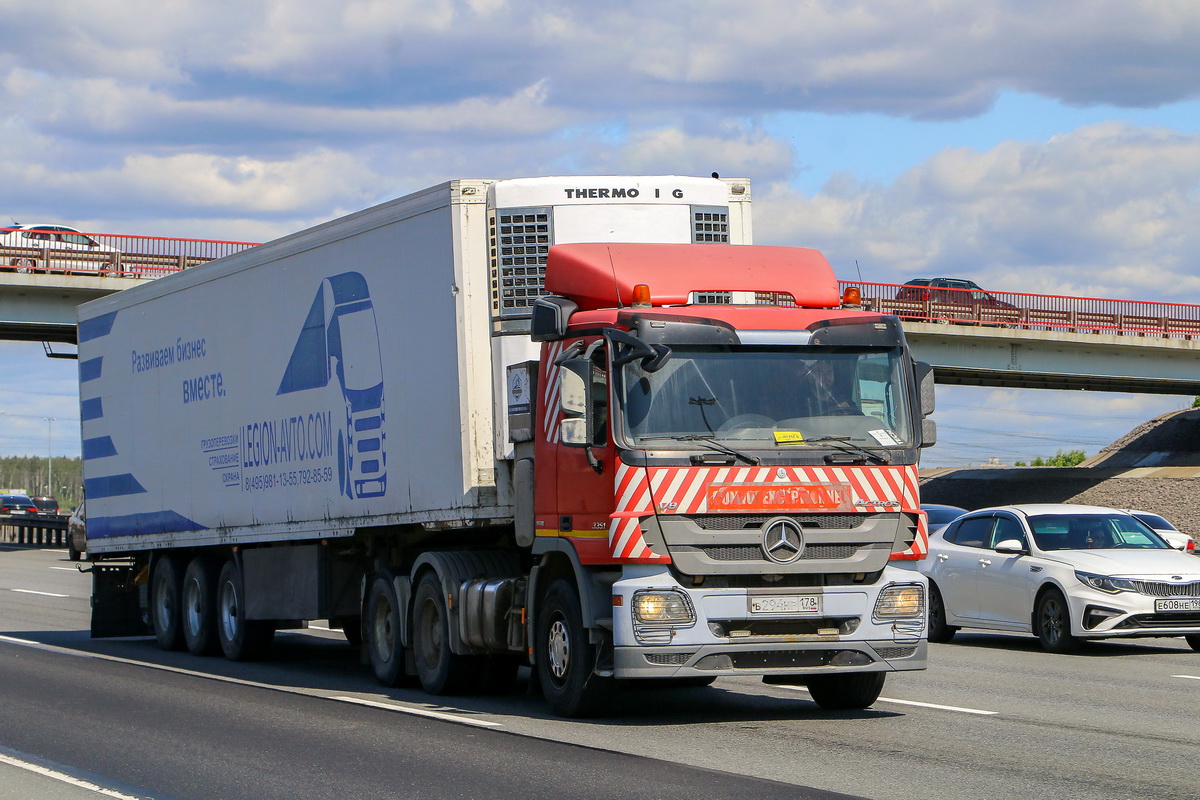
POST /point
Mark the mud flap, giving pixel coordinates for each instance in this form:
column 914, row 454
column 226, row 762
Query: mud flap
column 116, row 607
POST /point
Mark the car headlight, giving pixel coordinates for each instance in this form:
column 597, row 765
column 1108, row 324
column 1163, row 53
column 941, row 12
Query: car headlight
column 662, row 607
column 1104, row 583
column 900, row 601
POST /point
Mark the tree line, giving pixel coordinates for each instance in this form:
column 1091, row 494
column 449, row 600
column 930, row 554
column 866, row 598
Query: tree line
column 32, row 475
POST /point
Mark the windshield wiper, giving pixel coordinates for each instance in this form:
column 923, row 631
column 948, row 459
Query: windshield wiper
column 709, row 442
column 844, row 444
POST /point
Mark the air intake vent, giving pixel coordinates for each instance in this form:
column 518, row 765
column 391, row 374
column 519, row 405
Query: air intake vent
column 710, row 225
column 520, row 240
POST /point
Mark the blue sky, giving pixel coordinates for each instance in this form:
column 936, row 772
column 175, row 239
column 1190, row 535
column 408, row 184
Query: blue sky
column 1030, row 147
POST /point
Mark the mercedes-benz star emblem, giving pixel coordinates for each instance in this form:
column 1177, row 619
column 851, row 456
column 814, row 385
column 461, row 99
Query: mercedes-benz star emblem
column 783, row 540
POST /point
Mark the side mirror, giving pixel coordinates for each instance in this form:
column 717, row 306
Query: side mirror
column 550, row 318
column 1011, row 547
column 924, row 375
column 576, row 386
column 928, row 433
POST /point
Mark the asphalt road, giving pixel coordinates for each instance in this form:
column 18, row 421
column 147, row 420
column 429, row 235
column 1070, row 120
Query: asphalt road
column 994, row 717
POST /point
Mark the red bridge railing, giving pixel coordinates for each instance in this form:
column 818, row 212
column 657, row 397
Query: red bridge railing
column 67, row 252
column 1031, row 311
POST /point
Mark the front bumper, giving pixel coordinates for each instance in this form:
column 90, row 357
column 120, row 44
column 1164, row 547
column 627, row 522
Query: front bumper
column 1100, row 615
column 728, row 639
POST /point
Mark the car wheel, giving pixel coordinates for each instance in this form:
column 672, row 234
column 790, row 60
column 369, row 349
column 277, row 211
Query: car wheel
column 441, row 670
column 566, row 656
column 1052, row 623
column 198, row 609
column 383, row 631
column 72, row 551
column 939, row 631
column 241, row 639
column 165, row 585
column 1193, row 641
column 852, row 691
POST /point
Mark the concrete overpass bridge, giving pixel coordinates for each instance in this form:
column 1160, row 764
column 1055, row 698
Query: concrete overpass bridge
column 971, row 337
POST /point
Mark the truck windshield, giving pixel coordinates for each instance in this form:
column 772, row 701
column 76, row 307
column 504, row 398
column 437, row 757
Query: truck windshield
column 768, row 398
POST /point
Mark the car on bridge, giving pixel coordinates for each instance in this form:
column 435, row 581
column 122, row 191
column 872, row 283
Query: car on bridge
column 948, row 299
column 52, row 248
column 1065, row 573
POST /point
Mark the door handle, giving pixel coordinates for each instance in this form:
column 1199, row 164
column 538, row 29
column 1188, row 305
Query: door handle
column 987, row 562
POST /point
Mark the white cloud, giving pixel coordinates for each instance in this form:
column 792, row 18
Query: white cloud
column 1108, row 210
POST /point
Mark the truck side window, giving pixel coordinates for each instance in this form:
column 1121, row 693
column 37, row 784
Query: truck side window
column 599, row 395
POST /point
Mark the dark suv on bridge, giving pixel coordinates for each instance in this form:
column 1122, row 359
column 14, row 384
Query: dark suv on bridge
column 957, row 292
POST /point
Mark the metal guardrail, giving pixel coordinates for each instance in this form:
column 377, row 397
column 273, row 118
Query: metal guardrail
column 107, row 255
column 34, row 531
column 1031, row 311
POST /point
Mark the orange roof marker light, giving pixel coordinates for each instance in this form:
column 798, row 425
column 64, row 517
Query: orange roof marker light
column 852, row 297
column 641, row 296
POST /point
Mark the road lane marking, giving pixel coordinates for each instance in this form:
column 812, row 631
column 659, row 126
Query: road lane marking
column 414, row 710
column 1191, row 677
column 914, row 703
column 43, row 594
column 420, row 712
column 63, row 777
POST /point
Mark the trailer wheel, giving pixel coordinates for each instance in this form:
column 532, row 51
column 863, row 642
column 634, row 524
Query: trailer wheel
column 441, row 670
column 383, row 631
column 241, row 639
column 199, row 607
column 854, row 690
column 565, row 656
column 165, row 586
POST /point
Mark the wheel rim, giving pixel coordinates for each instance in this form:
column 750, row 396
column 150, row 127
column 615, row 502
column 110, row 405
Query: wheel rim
column 383, row 630
column 191, row 607
column 162, row 603
column 229, row 611
column 430, row 628
column 558, row 647
column 1052, row 621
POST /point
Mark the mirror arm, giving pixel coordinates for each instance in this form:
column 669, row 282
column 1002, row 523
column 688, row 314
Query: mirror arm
column 596, row 464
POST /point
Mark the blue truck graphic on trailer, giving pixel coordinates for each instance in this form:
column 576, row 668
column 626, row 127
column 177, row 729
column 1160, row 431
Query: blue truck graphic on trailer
column 340, row 340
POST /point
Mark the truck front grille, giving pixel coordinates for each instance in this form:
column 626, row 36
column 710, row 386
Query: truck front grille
column 753, row 552
column 741, row 522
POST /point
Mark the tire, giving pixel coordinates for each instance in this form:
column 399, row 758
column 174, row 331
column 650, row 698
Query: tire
column 72, row 551
column 440, row 670
column 1193, row 641
column 939, row 631
column 565, row 656
column 383, row 631
column 852, row 691
column 198, row 607
column 166, row 583
column 241, row 639
column 1052, row 623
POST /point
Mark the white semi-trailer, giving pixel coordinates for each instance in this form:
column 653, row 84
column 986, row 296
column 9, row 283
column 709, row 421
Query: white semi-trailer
column 518, row 421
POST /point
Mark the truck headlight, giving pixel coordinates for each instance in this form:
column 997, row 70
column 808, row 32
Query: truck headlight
column 659, row 607
column 1105, row 583
column 900, row 601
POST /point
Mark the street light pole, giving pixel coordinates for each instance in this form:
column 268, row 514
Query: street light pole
column 50, row 454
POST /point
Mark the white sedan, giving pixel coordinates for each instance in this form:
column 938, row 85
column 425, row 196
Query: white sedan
column 27, row 248
column 1064, row 573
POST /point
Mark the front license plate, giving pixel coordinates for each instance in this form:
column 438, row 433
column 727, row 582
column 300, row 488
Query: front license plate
column 1183, row 604
column 786, row 604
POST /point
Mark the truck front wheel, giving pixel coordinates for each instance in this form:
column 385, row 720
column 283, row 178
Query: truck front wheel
column 565, row 656
column 441, row 670
column 165, row 587
column 852, row 691
column 241, row 639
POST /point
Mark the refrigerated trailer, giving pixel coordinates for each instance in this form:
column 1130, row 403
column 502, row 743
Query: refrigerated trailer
column 579, row 424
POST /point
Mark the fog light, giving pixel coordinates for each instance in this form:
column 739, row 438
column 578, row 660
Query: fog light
column 1098, row 615
column 901, row 600
column 715, row 662
column 850, row 658
column 657, row 607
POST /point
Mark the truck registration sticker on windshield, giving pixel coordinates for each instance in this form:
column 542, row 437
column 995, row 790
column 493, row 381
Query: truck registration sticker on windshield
column 786, row 604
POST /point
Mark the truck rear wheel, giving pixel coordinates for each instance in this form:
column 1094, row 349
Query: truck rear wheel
column 383, row 631
column 241, row 639
column 199, row 607
column 854, row 690
column 565, row 655
column 165, row 586
column 441, row 670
